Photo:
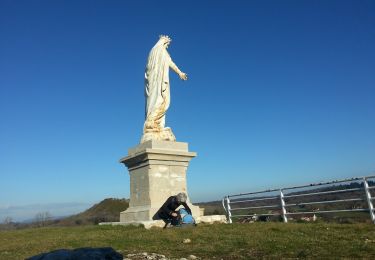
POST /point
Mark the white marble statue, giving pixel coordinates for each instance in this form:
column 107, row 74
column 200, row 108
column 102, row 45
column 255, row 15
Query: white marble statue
column 157, row 91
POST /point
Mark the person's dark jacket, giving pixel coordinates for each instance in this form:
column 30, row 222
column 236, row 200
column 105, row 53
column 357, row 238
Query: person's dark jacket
column 170, row 205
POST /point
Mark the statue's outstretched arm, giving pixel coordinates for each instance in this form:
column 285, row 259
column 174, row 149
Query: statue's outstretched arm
column 174, row 67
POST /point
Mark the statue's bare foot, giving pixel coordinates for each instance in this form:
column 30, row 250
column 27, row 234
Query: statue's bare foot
column 168, row 135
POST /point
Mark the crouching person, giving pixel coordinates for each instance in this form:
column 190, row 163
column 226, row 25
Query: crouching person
column 168, row 211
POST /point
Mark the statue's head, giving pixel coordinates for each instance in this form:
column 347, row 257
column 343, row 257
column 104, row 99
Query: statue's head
column 165, row 40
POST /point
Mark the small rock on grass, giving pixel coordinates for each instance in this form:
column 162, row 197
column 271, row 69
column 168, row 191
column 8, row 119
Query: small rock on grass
column 186, row 241
column 145, row 256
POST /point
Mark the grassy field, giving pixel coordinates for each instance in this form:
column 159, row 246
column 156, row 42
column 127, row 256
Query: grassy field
column 220, row 241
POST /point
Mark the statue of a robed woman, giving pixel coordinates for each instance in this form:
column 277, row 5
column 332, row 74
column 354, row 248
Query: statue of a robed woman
column 157, row 91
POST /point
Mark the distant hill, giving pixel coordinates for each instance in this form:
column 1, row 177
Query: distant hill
column 212, row 207
column 107, row 210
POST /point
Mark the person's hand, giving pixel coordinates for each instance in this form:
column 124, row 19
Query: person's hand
column 174, row 214
column 183, row 76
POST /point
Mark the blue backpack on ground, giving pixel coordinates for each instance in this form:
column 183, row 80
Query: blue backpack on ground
column 186, row 218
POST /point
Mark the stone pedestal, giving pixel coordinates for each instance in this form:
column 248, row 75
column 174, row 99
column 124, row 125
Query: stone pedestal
column 157, row 170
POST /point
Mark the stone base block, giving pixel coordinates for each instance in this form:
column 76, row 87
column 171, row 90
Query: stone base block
column 212, row 219
column 148, row 213
column 160, row 223
column 146, row 224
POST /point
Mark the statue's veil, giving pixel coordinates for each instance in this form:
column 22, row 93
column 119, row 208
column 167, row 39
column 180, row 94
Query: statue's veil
column 155, row 75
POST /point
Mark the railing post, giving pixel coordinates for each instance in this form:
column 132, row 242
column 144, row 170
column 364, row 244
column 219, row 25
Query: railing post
column 229, row 214
column 368, row 197
column 283, row 210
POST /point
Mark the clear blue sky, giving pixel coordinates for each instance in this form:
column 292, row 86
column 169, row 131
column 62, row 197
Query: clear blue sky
column 279, row 93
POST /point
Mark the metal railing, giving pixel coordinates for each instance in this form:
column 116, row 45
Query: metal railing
column 290, row 201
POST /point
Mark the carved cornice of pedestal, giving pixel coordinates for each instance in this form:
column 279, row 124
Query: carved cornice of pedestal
column 158, row 152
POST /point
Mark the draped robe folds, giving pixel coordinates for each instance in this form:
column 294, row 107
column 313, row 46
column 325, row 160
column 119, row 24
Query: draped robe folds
column 157, row 93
